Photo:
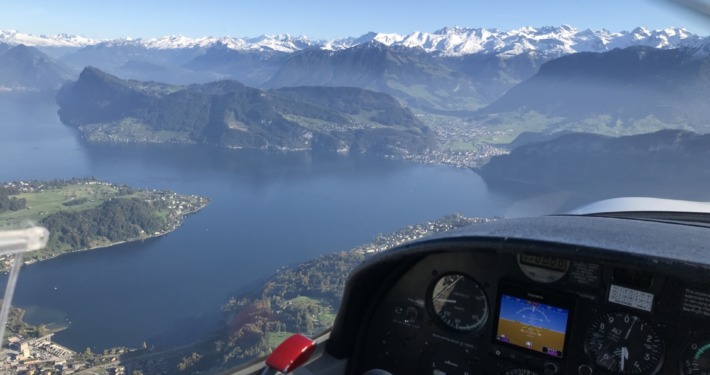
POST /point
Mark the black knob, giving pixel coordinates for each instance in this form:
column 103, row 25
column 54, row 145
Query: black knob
column 550, row 369
column 584, row 370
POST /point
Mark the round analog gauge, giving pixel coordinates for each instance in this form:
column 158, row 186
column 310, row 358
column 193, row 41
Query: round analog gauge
column 459, row 302
column 543, row 269
column 695, row 359
column 622, row 343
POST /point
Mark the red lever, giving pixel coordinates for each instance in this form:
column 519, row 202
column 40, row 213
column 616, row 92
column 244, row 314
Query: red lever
column 291, row 354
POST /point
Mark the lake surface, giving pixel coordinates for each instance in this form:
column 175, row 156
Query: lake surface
column 267, row 210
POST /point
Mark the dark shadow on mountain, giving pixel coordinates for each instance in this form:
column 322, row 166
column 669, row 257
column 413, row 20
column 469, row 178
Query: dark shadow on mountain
column 623, row 91
column 666, row 164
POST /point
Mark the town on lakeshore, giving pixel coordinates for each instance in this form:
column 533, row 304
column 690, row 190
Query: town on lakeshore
column 28, row 356
column 463, row 143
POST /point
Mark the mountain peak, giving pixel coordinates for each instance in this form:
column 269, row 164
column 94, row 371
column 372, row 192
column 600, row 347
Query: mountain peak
column 93, row 74
column 26, row 53
column 15, row 37
column 365, row 38
column 567, row 27
column 451, row 30
column 550, row 41
column 27, row 68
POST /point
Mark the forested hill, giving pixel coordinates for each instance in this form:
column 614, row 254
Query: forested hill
column 668, row 163
column 623, row 91
column 227, row 113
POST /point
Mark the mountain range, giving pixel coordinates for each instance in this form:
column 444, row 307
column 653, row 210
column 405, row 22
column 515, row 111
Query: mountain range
column 545, row 80
column 228, row 113
column 451, row 69
column 448, row 41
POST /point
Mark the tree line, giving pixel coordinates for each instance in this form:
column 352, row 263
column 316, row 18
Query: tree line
column 8, row 203
column 116, row 220
column 271, row 310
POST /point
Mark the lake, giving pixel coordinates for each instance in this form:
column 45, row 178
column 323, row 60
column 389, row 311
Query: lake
column 267, row 210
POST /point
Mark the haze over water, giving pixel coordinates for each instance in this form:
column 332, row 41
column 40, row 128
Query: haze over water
column 267, row 210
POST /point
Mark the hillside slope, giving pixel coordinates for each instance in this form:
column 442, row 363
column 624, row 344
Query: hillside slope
column 228, row 113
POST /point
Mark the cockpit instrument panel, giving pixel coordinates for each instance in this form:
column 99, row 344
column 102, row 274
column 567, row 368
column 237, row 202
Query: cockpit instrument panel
column 477, row 313
column 551, row 295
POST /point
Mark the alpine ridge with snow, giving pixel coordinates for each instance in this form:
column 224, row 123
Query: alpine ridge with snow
column 449, row 41
column 14, row 37
column 452, row 71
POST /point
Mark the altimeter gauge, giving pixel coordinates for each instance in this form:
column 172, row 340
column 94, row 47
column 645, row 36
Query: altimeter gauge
column 623, row 343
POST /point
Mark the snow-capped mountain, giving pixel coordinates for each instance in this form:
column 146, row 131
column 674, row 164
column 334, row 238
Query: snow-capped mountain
column 546, row 41
column 14, row 37
column 460, row 69
column 281, row 43
column 450, row 41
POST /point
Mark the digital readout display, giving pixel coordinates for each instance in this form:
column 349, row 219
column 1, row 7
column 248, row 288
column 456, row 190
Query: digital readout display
column 532, row 325
column 556, row 264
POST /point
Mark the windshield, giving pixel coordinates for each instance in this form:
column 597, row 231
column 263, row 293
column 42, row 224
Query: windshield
column 210, row 172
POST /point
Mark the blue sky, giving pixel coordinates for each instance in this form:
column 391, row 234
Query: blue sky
column 328, row 19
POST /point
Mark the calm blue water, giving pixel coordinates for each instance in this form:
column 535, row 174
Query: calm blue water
column 266, row 211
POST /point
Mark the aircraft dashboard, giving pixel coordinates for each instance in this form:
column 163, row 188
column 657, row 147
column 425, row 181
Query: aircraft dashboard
column 555, row 295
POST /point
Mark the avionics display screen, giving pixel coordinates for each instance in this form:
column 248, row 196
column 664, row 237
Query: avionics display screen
column 532, row 325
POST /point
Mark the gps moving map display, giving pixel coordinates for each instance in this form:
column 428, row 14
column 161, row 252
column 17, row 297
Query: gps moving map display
column 531, row 324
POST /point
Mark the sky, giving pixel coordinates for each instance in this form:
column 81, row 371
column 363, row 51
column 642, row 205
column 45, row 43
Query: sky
column 319, row 19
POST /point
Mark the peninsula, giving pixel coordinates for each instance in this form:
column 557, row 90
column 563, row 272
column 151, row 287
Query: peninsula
column 84, row 214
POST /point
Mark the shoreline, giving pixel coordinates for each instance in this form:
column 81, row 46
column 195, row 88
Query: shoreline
column 30, row 262
column 61, row 326
column 446, row 158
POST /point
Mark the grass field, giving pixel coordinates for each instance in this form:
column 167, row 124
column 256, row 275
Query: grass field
column 363, row 117
column 43, row 203
column 131, row 130
column 324, row 319
column 44, row 199
column 504, row 128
